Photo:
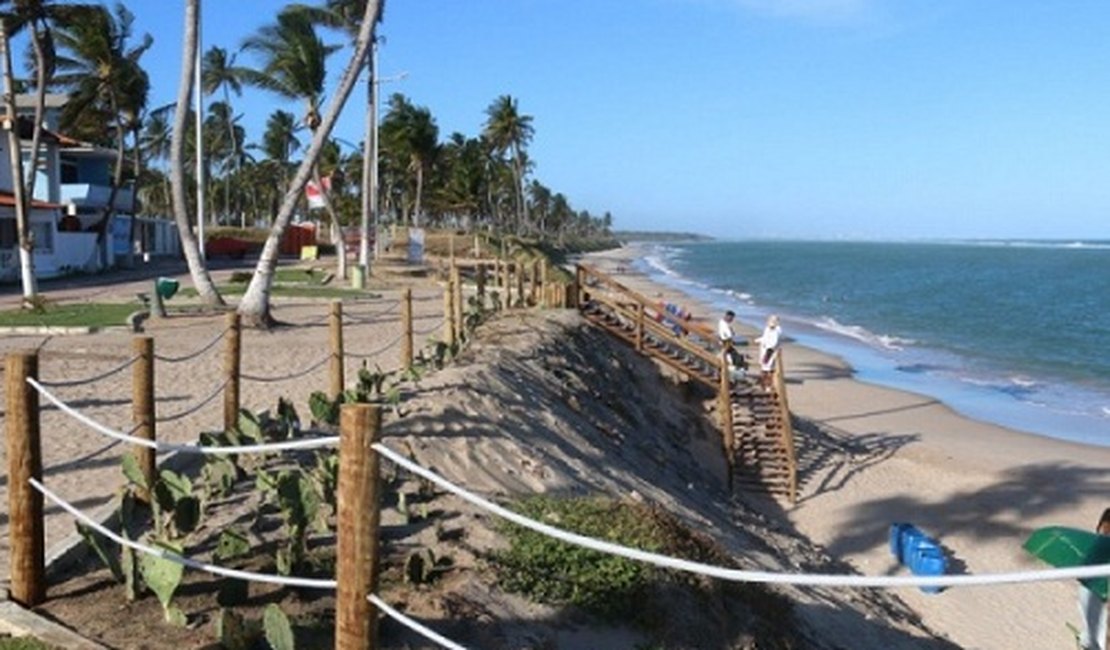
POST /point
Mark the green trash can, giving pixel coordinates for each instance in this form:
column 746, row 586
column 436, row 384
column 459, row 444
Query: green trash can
column 166, row 287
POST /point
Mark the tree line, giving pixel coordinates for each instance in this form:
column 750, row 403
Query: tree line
column 91, row 53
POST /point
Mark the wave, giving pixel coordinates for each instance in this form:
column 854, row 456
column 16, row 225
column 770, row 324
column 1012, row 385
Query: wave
column 864, row 335
column 1093, row 244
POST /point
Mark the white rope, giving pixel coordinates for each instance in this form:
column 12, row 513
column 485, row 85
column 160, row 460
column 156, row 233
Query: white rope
column 95, row 378
column 741, row 575
column 310, row 443
column 174, row 557
column 413, row 625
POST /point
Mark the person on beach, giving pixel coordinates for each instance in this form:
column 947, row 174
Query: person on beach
column 729, row 341
column 768, row 348
column 1094, row 612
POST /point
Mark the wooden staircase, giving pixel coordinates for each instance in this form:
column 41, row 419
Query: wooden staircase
column 757, row 435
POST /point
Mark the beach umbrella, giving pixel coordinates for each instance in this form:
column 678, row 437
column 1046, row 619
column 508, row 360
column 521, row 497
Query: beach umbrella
column 1063, row 547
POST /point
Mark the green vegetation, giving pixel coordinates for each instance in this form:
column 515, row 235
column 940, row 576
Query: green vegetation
column 70, row 315
column 659, row 236
column 23, row 643
column 549, row 571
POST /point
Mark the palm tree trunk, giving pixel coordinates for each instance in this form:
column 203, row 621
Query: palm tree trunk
column 255, row 305
column 202, row 282
column 15, row 151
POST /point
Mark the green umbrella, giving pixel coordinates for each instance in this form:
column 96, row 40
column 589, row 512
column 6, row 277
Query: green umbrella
column 1062, row 547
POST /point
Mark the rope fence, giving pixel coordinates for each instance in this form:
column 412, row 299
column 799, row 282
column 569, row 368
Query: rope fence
column 296, row 375
column 359, row 472
column 363, row 318
column 196, row 407
column 95, row 378
column 377, row 351
column 431, row 329
column 193, row 355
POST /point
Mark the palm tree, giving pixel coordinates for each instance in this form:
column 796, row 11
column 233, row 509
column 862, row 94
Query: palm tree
column 294, row 65
column 255, row 305
column 410, row 136
column 509, row 131
column 279, row 141
column 345, row 15
column 202, row 281
column 106, row 84
column 219, row 72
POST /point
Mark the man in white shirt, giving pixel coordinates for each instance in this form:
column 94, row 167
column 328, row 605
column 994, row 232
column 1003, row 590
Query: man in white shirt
column 729, row 341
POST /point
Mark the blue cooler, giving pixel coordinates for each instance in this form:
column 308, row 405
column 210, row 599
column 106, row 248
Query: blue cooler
column 930, row 561
column 912, row 537
column 897, row 529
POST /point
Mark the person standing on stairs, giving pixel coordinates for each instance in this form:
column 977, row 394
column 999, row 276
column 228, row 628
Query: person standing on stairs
column 768, row 348
column 736, row 363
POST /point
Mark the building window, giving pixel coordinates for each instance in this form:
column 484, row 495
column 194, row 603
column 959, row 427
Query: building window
column 43, row 232
column 7, row 233
column 69, row 172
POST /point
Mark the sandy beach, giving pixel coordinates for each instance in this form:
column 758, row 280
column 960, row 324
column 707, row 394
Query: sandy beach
column 869, row 455
column 83, row 466
column 879, row 456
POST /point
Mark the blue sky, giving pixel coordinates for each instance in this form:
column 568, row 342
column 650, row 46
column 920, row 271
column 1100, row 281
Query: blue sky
column 858, row 119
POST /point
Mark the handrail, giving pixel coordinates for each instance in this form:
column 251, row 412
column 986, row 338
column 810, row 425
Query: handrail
column 646, row 319
column 663, row 332
column 779, row 380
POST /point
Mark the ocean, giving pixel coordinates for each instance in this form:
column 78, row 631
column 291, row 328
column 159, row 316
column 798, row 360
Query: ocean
column 1011, row 332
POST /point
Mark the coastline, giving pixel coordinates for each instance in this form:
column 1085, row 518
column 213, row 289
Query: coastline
column 871, row 455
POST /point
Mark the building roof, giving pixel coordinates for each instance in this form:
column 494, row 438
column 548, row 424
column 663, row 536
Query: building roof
column 7, row 199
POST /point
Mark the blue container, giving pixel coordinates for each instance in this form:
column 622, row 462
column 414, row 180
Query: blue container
column 930, row 561
column 897, row 529
column 912, row 537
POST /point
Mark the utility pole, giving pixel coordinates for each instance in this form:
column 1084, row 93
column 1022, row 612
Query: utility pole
column 370, row 164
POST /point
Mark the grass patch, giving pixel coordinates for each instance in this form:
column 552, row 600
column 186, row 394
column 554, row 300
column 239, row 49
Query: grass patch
column 549, row 571
column 70, row 315
column 23, row 643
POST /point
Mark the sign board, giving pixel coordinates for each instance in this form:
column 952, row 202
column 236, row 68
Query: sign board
column 416, row 245
column 309, row 253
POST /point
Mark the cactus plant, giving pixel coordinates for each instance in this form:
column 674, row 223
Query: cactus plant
column 163, row 576
column 279, row 633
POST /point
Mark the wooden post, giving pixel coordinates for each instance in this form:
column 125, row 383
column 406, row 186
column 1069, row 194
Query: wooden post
column 142, row 409
column 480, row 280
column 545, row 299
column 724, row 404
column 457, row 301
column 232, row 361
column 358, row 518
column 521, row 298
column 335, row 364
column 506, row 287
column 639, row 327
column 448, row 314
column 406, row 328
column 779, row 381
column 572, row 299
column 27, row 572
column 534, row 283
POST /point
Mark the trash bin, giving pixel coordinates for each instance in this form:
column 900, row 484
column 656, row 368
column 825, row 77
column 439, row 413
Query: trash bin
column 358, row 276
column 166, row 288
